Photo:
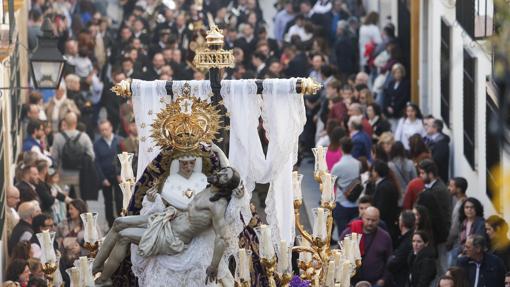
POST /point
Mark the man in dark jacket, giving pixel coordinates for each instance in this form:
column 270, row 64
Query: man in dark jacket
column 345, row 51
column 28, row 182
column 23, row 230
column 106, row 149
column 397, row 264
column 362, row 144
column 438, row 144
column 482, row 268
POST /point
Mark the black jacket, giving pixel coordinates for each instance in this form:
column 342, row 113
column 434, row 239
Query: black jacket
column 397, row 264
column 26, row 192
column 386, row 200
column 440, row 149
column 17, row 232
column 438, row 200
column 492, row 270
column 422, row 267
column 396, row 98
column 345, row 53
column 46, row 199
column 89, row 182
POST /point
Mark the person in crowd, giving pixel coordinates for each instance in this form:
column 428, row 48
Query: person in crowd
column 385, row 192
column 70, row 147
column 18, row 271
column 35, row 140
column 59, row 207
column 28, row 181
column 43, row 189
column 497, row 232
column 364, row 202
column 12, row 200
column 421, row 261
column 335, row 108
column 325, row 138
column 386, row 141
column 397, row 94
column 22, row 250
column 457, row 187
column 379, row 124
column 507, row 279
column 458, row 275
column 369, row 36
column 106, row 149
column 375, row 248
column 423, row 221
column 334, row 152
column 36, row 271
column 481, row 267
column 439, row 145
column 402, row 167
column 59, row 106
column 345, row 50
column 411, row 123
column 23, row 230
column 397, row 264
column 446, row 281
column 41, row 222
column 418, row 150
column 355, row 110
column 435, row 196
column 72, row 226
column 362, row 144
column 470, row 221
column 347, row 170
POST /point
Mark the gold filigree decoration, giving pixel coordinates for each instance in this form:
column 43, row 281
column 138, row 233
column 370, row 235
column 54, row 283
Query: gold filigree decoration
column 186, row 123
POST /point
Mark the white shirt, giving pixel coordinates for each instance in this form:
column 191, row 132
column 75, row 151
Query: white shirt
column 406, row 128
column 367, row 33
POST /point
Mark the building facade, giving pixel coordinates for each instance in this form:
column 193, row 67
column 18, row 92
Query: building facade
column 455, row 83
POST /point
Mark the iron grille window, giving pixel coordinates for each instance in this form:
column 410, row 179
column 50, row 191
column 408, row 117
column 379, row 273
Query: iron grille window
column 492, row 143
column 469, row 116
column 476, row 17
column 445, row 72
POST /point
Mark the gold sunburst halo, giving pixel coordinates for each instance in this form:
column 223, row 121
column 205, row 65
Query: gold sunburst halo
column 186, row 123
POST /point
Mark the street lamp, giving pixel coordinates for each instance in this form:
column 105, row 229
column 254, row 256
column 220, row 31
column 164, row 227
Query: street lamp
column 47, row 63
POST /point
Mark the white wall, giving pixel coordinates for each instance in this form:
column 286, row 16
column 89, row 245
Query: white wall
column 430, row 86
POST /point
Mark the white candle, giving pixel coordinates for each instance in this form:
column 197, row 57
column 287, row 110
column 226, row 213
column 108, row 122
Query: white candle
column 321, row 214
column 356, row 251
column 125, row 186
column 326, row 187
column 74, row 275
column 346, row 274
column 296, row 185
column 85, row 273
column 347, row 248
column 126, row 172
column 267, row 250
column 338, row 265
column 90, row 228
column 283, row 256
column 244, row 269
column 47, row 245
column 330, row 275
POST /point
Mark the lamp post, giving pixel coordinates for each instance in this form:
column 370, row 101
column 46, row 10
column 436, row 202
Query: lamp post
column 47, row 63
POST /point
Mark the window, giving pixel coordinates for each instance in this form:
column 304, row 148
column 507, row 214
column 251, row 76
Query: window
column 469, row 116
column 445, row 72
column 476, row 17
column 492, row 143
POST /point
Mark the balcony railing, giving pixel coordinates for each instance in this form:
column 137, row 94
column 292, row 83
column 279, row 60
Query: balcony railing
column 476, row 17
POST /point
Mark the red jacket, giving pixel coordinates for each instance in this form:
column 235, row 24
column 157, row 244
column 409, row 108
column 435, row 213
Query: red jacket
column 414, row 188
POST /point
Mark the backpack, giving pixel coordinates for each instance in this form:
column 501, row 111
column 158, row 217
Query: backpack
column 353, row 190
column 72, row 153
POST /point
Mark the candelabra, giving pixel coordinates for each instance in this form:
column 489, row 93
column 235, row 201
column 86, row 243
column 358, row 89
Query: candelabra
column 49, row 258
column 127, row 180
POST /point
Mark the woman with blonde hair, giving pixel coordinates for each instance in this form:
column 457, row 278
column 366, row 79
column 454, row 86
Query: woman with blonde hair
column 396, row 94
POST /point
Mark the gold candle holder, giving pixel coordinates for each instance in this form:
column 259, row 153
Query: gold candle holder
column 242, row 283
column 285, row 279
column 49, row 269
column 91, row 248
column 269, row 267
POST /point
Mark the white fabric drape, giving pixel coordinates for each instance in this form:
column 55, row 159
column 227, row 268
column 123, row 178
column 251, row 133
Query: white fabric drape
column 284, row 118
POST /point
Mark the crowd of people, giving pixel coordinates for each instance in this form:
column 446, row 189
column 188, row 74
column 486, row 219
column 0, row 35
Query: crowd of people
column 418, row 223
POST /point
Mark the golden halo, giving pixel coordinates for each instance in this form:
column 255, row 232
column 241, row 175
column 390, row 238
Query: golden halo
column 185, row 123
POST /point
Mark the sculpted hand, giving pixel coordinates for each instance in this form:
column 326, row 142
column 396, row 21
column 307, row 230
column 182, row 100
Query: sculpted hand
column 151, row 195
column 212, row 274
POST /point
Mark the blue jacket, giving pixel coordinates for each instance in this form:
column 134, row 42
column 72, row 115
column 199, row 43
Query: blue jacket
column 29, row 143
column 492, row 271
column 106, row 157
column 361, row 145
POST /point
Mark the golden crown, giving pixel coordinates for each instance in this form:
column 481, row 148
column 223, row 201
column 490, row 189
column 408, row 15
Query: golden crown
column 186, row 123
